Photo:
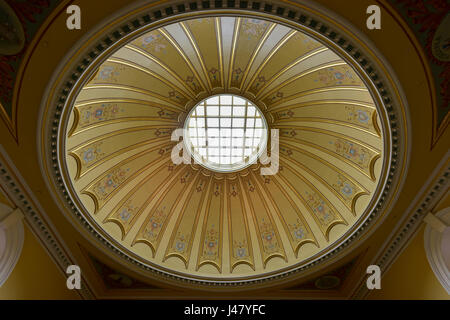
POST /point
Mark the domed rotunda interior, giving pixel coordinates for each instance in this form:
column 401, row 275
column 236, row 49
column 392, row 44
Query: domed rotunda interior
column 223, row 149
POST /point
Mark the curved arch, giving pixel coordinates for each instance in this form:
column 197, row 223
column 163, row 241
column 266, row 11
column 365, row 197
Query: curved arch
column 437, row 245
column 11, row 240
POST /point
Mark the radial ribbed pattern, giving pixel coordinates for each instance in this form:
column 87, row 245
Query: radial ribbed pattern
column 188, row 220
column 225, row 133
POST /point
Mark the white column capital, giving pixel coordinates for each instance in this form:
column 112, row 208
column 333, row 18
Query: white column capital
column 436, row 245
column 11, row 218
column 11, row 239
column 434, row 222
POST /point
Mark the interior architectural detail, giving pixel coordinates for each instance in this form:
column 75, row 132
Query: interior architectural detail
column 119, row 160
column 225, row 133
column 11, row 240
column 224, row 149
column 437, row 239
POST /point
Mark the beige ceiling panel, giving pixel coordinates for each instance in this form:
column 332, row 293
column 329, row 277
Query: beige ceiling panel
column 201, row 33
column 137, row 56
column 344, row 186
column 328, row 74
column 92, row 115
column 293, row 49
column 241, row 251
column 301, row 66
column 117, row 73
column 113, row 91
column 154, row 226
column 349, row 150
column 137, row 201
column 211, row 240
column 350, row 113
column 111, row 181
column 292, row 219
column 247, row 41
column 358, row 94
column 319, row 207
column 268, row 235
column 179, row 39
column 155, row 46
column 227, row 25
column 97, row 150
column 268, row 49
column 181, row 241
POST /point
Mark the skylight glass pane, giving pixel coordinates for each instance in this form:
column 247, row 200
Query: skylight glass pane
column 225, row 122
column 238, row 111
column 213, row 152
column 222, row 132
column 236, row 152
column 200, row 122
column 213, row 142
column 202, row 151
column 251, row 111
column 226, row 151
column 238, row 123
column 213, row 132
column 200, row 111
column 212, row 101
column 238, row 101
column 201, row 142
column 236, row 159
column 237, row 132
column 238, row 142
column 225, row 110
column 226, row 99
column 225, row 160
column 213, row 122
column 212, row 111
column 201, row 132
column 225, row 141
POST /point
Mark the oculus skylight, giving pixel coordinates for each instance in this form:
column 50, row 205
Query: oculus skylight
column 225, row 133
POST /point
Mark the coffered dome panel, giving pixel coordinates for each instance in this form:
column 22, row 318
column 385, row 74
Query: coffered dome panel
column 186, row 220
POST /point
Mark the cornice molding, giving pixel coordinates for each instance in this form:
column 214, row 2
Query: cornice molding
column 34, row 215
column 351, row 44
column 427, row 198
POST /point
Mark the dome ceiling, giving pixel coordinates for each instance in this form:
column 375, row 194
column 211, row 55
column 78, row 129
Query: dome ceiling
column 189, row 221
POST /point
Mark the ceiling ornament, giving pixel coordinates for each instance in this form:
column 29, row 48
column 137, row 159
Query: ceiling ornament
column 108, row 150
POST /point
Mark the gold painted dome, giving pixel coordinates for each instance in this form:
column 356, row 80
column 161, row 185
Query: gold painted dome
column 188, row 221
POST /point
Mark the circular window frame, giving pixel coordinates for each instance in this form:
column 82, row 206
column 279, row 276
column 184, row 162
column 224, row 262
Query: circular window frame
column 196, row 158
